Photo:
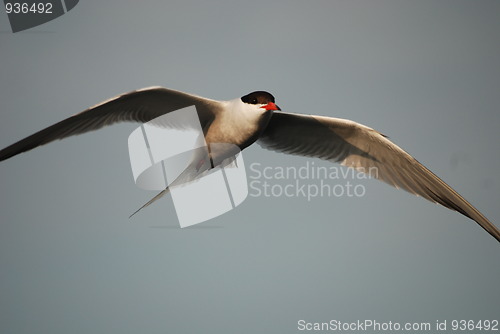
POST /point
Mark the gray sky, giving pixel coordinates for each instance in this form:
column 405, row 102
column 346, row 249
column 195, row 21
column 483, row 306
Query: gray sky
column 425, row 73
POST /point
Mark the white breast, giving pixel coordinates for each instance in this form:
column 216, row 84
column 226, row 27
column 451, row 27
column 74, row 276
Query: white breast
column 236, row 123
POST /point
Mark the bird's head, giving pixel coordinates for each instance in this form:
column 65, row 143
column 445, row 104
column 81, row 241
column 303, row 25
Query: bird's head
column 262, row 100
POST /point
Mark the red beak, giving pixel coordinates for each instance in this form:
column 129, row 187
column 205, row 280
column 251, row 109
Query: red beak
column 271, row 106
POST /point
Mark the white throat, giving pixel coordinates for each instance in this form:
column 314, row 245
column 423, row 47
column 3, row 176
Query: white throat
column 236, row 123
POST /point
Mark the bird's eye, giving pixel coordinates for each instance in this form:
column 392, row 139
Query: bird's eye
column 254, row 101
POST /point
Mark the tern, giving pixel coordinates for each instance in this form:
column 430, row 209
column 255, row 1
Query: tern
column 255, row 117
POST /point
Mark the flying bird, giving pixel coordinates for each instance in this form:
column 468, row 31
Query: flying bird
column 255, row 117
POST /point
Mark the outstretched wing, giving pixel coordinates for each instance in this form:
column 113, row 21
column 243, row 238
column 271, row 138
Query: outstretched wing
column 137, row 106
column 360, row 147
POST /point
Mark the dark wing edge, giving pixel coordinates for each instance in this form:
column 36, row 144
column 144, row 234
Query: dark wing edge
column 357, row 146
column 137, row 106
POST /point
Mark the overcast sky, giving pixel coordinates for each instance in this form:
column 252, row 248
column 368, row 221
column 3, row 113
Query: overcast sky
column 425, row 73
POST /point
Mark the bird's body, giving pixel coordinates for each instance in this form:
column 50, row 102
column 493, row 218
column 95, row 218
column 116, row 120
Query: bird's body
column 255, row 117
column 237, row 124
